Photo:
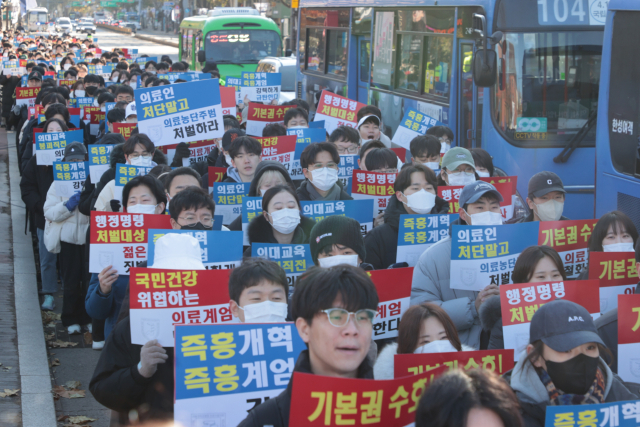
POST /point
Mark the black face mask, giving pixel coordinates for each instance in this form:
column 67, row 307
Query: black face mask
column 575, row 376
column 90, row 90
column 197, row 226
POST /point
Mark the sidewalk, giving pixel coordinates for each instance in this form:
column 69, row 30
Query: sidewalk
column 169, row 39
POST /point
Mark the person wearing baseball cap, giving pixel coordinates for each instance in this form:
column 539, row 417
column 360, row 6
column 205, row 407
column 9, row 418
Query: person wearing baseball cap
column 337, row 240
column 458, row 168
column 545, row 198
column 35, row 79
column 130, row 113
column 369, row 128
column 479, row 205
column 563, row 363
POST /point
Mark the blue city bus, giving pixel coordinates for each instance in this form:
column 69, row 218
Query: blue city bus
column 617, row 151
column 418, row 54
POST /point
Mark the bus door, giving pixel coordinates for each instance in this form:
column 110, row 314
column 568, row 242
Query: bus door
column 364, row 76
column 469, row 111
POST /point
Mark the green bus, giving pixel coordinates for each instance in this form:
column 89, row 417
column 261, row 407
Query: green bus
column 235, row 38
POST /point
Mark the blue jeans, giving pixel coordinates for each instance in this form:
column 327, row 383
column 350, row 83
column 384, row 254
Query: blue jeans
column 47, row 266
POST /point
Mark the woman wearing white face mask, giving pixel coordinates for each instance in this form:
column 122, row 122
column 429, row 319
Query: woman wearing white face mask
column 483, row 162
column 415, row 194
column 458, row 168
column 115, row 75
column 614, row 232
column 77, row 90
column 281, row 220
column 425, row 328
column 338, row 240
column 144, row 195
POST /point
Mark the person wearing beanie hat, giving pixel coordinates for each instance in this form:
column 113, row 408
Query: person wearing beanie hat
column 563, row 364
column 479, row 205
column 546, row 196
column 337, row 240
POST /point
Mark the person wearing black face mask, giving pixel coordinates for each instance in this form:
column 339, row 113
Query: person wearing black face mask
column 192, row 209
column 562, row 365
column 90, row 90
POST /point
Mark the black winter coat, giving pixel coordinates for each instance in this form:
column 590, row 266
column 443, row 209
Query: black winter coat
column 9, row 84
column 381, row 243
column 26, row 145
column 275, row 412
column 34, row 186
column 118, row 385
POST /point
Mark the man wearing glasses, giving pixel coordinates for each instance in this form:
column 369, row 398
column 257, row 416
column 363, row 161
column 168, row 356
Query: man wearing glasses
column 192, row 209
column 319, row 162
column 333, row 310
column 346, row 139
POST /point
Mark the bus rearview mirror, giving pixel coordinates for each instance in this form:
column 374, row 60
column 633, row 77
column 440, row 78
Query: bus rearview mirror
column 201, row 56
column 484, row 67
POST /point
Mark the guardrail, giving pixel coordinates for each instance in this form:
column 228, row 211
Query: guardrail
column 114, row 28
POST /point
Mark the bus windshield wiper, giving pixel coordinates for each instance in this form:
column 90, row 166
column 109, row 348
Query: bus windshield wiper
column 577, row 139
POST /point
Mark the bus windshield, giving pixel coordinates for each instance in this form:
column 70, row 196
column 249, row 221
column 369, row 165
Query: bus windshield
column 241, row 46
column 547, row 84
column 38, row 17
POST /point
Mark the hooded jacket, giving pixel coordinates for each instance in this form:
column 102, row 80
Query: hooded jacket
column 34, row 186
column 232, row 175
column 117, row 384
column 9, row 84
column 303, row 192
column 254, row 191
column 275, row 412
column 431, row 283
column 260, row 231
column 384, row 367
column 382, row 242
column 534, row 398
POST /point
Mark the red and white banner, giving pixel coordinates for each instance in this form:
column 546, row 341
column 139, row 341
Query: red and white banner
column 336, row 111
column 367, row 185
column 617, row 274
column 260, row 115
column 506, row 189
column 629, row 337
column 570, row 239
column 394, row 294
column 198, row 151
column 279, row 148
column 215, row 175
column 228, row 98
column 519, row 302
column 124, row 129
column 120, row 239
column 26, row 95
column 498, row 361
column 159, row 299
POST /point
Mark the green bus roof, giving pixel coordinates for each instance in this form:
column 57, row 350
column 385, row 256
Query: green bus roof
column 212, row 23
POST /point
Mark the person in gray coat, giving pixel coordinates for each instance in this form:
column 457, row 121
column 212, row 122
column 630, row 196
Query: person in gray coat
column 479, row 205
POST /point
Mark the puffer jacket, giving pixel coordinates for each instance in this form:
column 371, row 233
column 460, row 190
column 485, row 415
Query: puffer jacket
column 431, row 279
column 534, row 398
column 382, row 242
column 75, row 224
column 260, row 231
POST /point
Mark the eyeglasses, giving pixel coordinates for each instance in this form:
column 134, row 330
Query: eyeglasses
column 347, row 150
column 192, row 219
column 339, row 317
column 136, row 155
column 329, row 165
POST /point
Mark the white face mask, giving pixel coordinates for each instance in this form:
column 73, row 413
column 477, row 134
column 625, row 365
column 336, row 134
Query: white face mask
column 434, row 166
column 285, row 220
column 421, row 202
column 141, row 161
column 324, row 178
column 103, row 108
column 133, row 85
column 461, row 178
column 482, row 174
column 142, row 209
column 332, row 261
column 550, row 211
column 619, row 247
column 440, row 346
column 67, row 66
column 265, row 312
column 262, row 192
column 114, row 79
column 79, row 93
column 95, row 103
column 228, row 159
column 485, row 218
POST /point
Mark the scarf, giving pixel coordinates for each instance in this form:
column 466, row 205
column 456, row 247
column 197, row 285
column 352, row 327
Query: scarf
column 333, row 194
column 558, row 397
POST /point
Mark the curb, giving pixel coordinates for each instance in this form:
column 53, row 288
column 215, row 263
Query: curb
column 156, row 40
column 37, row 399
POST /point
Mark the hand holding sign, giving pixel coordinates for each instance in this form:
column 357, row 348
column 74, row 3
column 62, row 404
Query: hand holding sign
column 151, row 354
column 486, row 293
column 107, row 277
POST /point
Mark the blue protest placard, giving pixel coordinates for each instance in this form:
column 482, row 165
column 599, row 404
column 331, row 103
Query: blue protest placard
column 228, row 197
column 142, row 61
column 294, row 259
column 305, row 137
column 610, row 414
column 69, row 177
column 348, row 163
column 172, row 77
column 124, row 174
column 260, row 87
column 316, row 125
column 482, row 255
column 180, row 113
column 99, row 160
column 416, row 233
column 360, row 210
column 251, row 206
column 50, row 146
column 231, row 368
column 220, row 250
column 413, row 123
column 85, row 101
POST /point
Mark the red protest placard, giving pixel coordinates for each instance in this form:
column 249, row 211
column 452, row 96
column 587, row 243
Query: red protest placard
column 277, row 145
column 198, row 150
column 519, row 303
column 88, row 111
column 228, row 98
column 336, row 111
column 498, row 361
column 452, row 194
column 493, row 180
column 215, row 175
column 394, row 294
column 169, row 297
column 74, row 111
column 124, row 129
column 331, row 401
column 629, row 337
column 617, row 274
column 260, row 115
column 67, row 82
column 570, row 239
column 96, row 116
column 373, row 185
column 27, row 92
column 35, row 111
